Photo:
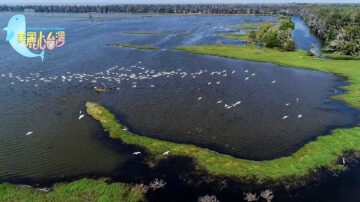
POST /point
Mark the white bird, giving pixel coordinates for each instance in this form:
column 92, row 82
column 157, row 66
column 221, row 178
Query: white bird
column 236, row 103
column 80, row 112
column 218, row 82
column 273, row 82
column 287, row 104
column 209, row 83
column 285, row 117
column 246, row 78
column 136, row 153
column 297, row 99
column 125, row 129
column 343, row 160
column 81, row 116
column 29, row 133
column 220, row 101
column 199, row 98
column 300, row 116
column 166, row 153
column 253, row 74
column 233, row 72
column 246, row 71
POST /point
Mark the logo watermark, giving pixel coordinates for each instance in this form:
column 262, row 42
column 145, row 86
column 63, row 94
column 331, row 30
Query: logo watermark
column 22, row 40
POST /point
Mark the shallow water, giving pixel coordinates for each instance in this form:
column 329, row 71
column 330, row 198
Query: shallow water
column 303, row 36
column 166, row 106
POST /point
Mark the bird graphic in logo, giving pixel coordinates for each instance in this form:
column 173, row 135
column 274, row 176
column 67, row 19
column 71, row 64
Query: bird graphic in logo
column 17, row 24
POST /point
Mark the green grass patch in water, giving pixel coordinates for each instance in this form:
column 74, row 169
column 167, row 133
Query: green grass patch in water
column 183, row 34
column 146, row 33
column 242, row 37
column 134, row 46
column 101, row 90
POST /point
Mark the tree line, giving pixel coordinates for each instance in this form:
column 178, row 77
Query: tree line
column 338, row 25
column 257, row 9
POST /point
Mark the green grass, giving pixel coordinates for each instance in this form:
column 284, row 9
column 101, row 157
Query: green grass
column 80, row 190
column 134, row 46
column 146, row 33
column 324, row 152
column 337, row 56
column 242, row 37
column 183, row 34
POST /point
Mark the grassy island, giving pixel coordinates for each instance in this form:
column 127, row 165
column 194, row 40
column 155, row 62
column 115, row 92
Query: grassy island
column 183, row 34
column 134, row 46
column 146, row 33
column 291, row 171
column 80, row 190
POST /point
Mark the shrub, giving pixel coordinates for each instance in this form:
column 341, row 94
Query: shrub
column 270, row 40
column 208, row 198
column 289, row 45
column 157, row 184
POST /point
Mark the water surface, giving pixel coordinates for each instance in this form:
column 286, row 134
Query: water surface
column 165, row 94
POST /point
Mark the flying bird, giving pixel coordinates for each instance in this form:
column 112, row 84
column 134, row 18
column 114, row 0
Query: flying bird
column 29, row 133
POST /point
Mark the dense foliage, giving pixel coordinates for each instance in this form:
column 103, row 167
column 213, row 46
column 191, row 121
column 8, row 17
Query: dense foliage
column 275, row 35
column 267, row 9
column 337, row 25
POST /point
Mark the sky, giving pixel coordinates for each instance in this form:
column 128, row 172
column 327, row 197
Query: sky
column 96, row 2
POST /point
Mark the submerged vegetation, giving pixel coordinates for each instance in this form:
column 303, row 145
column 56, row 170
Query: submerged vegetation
column 80, row 190
column 134, row 46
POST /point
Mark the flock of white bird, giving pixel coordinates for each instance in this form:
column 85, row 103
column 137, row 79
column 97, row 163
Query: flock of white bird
column 114, row 77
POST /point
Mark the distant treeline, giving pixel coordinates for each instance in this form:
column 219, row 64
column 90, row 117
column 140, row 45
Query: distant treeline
column 338, row 25
column 258, row 9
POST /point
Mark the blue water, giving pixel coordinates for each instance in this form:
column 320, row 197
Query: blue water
column 166, row 106
column 303, row 36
